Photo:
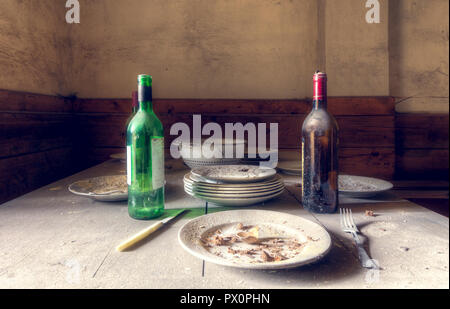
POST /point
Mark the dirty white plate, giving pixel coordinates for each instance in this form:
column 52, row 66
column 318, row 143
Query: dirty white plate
column 227, row 191
column 290, row 167
column 201, row 163
column 244, row 194
column 103, row 188
column 359, row 186
column 235, row 201
column 234, row 173
column 317, row 241
column 191, row 179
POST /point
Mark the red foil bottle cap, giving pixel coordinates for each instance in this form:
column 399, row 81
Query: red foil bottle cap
column 320, row 85
column 135, row 102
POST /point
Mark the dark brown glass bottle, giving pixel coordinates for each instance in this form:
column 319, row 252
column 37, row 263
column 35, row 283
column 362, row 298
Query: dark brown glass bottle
column 320, row 153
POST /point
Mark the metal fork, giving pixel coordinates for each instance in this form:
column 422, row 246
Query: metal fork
column 348, row 225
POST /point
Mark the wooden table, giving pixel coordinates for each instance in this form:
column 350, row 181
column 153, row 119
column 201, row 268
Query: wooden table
column 51, row 238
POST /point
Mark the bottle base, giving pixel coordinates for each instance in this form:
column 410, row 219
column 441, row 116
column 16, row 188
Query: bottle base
column 146, row 214
column 320, row 210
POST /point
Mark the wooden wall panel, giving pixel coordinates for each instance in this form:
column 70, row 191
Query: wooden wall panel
column 337, row 105
column 22, row 174
column 36, row 141
column 23, row 133
column 366, row 124
column 29, row 102
column 422, row 143
column 355, row 131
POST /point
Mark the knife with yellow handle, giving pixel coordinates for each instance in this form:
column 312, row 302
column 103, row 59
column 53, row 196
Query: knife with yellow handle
column 146, row 232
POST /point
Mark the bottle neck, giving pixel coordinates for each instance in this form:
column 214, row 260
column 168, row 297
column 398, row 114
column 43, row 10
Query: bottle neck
column 146, row 106
column 320, row 103
column 145, row 98
column 320, row 91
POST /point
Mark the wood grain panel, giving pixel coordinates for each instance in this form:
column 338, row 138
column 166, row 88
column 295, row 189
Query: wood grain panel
column 375, row 162
column 422, row 131
column 422, row 164
column 355, row 131
column 22, row 174
column 23, row 133
column 422, row 146
column 359, row 161
column 35, row 141
column 337, row 106
column 23, row 102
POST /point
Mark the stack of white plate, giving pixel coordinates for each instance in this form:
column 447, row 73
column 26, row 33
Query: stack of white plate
column 233, row 185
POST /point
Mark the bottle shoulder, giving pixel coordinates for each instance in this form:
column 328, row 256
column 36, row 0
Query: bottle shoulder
column 145, row 122
column 320, row 119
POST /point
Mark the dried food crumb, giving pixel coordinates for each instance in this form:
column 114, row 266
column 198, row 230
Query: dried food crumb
column 369, row 213
column 266, row 257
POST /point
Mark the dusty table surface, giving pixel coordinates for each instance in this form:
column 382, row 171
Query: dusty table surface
column 51, row 238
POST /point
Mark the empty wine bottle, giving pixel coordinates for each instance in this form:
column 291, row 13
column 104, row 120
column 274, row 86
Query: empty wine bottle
column 145, row 157
column 320, row 153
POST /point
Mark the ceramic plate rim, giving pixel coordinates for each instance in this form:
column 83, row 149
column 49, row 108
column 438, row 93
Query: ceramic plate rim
column 237, row 202
column 279, row 265
column 388, row 186
column 227, row 191
column 258, row 178
column 234, row 195
column 277, row 178
column 100, row 197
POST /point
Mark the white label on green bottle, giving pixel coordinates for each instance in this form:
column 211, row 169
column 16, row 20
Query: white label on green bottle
column 129, row 165
column 157, row 163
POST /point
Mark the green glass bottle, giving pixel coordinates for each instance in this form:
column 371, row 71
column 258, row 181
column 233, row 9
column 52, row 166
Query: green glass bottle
column 145, row 157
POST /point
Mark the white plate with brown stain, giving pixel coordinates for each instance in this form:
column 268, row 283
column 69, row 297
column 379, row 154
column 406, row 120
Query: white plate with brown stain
column 363, row 187
column 234, row 173
column 222, row 238
column 103, row 188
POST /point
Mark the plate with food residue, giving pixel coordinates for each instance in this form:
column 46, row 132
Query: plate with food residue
column 359, row 186
column 234, row 173
column 104, row 188
column 255, row 239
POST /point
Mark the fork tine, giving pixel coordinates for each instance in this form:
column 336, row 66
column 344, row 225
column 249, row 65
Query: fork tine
column 340, row 218
column 353, row 222
column 346, row 225
column 347, row 219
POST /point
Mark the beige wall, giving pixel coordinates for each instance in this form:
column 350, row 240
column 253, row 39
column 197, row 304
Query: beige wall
column 33, row 46
column 357, row 57
column 229, row 49
column 419, row 55
column 197, row 48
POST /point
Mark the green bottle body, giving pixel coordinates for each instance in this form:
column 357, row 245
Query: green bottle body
column 145, row 158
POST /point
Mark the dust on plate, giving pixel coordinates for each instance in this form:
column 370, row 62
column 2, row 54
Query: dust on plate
column 244, row 243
